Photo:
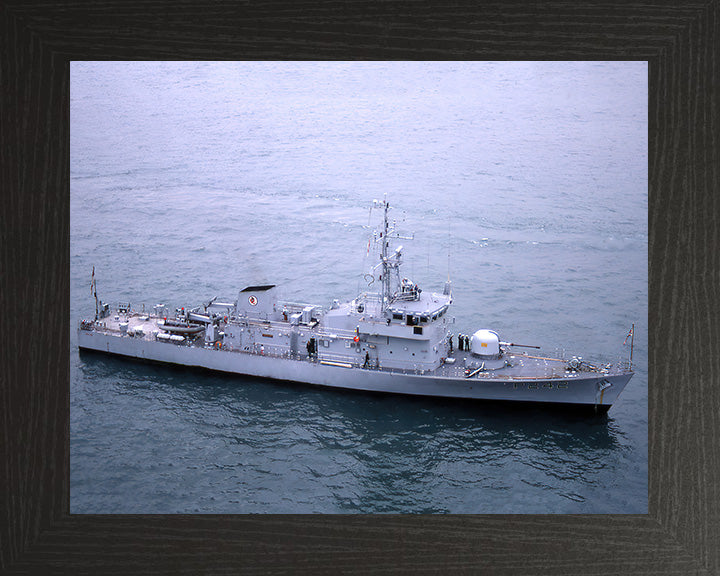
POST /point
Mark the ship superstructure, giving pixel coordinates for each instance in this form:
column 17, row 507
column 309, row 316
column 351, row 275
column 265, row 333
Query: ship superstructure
column 398, row 339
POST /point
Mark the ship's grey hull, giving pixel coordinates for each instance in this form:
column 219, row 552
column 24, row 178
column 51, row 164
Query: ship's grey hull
column 575, row 390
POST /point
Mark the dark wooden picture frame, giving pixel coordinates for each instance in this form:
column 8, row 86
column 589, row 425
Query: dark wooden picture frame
column 681, row 533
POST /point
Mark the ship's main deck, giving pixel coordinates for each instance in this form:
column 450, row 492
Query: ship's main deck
column 519, row 366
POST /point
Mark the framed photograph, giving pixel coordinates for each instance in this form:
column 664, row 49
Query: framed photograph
column 93, row 492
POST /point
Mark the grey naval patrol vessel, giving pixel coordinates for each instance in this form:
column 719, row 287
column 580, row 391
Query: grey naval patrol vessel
column 397, row 340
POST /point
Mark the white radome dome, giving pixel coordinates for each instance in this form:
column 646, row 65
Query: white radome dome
column 485, row 343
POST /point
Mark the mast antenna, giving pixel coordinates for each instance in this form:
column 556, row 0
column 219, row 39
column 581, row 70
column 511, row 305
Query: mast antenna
column 93, row 290
column 384, row 257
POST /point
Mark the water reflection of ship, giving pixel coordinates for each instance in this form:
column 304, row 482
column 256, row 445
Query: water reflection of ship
column 369, row 418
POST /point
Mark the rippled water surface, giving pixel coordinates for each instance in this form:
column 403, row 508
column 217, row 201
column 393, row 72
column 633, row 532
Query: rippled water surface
column 526, row 182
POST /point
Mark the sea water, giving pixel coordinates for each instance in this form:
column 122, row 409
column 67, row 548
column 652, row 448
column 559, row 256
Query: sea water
column 525, row 183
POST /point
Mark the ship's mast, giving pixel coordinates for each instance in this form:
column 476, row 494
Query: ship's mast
column 93, row 290
column 384, row 257
column 390, row 262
